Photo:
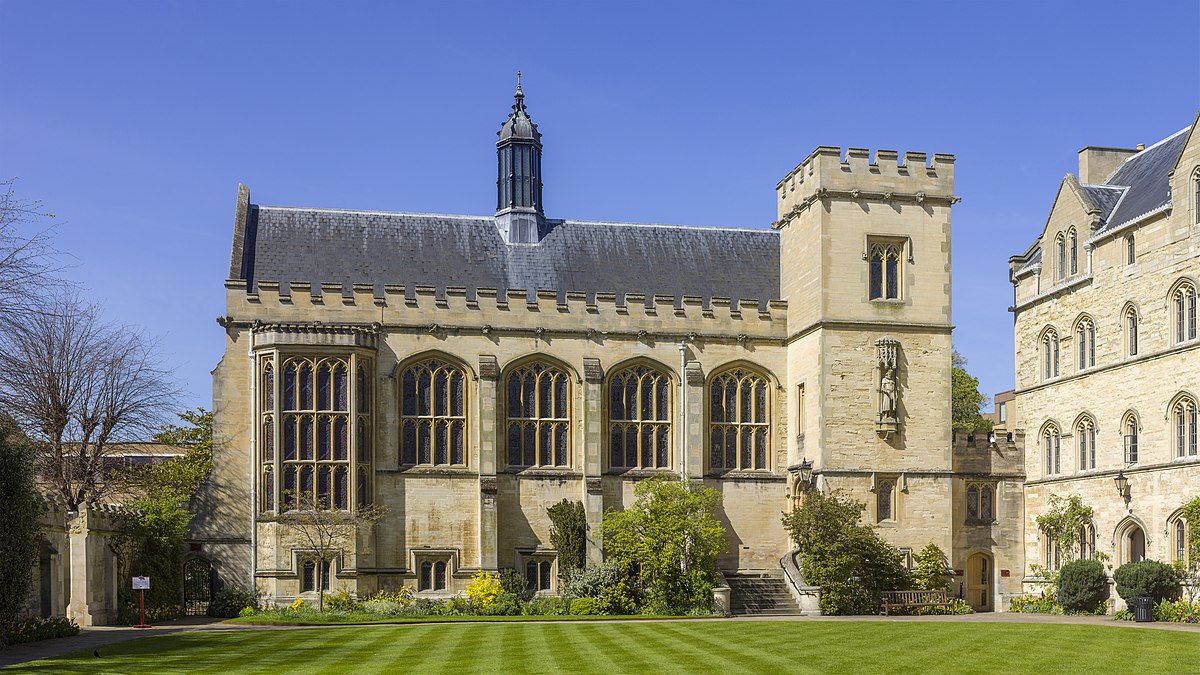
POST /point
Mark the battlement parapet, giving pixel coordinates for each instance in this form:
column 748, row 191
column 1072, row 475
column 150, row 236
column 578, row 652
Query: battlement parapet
column 292, row 309
column 828, row 173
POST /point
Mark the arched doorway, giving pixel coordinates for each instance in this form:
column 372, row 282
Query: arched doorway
column 1136, row 543
column 979, row 582
column 197, row 586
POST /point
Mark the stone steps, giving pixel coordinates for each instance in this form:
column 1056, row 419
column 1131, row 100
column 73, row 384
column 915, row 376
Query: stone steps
column 760, row 592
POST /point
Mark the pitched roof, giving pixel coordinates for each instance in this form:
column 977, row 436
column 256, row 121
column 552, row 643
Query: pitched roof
column 1145, row 176
column 365, row 247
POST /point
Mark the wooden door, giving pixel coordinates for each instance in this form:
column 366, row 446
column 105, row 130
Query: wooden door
column 979, row 582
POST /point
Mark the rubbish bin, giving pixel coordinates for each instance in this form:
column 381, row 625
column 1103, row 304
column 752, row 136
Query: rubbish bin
column 1143, row 609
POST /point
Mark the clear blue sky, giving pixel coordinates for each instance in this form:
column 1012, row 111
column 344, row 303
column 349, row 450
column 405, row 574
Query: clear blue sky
column 134, row 121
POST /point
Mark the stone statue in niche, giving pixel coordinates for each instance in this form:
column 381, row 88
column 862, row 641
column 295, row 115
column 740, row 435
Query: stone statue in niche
column 889, row 385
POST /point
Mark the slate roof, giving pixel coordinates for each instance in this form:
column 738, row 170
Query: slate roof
column 1146, row 176
column 1104, row 197
column 364, row 247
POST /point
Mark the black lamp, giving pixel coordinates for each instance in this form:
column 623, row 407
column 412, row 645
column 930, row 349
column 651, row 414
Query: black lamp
column 806, row 472
column 1122, row 483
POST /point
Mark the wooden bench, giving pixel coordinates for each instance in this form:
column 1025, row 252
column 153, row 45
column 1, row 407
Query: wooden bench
column 915, row 599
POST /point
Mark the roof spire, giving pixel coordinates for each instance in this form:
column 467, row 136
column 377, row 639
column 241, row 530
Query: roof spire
column 519, row 97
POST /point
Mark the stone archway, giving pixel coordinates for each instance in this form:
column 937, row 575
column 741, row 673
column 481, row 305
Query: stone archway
column 1130, row 541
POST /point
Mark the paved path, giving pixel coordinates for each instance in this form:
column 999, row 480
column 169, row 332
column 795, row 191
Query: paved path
column 97, row 637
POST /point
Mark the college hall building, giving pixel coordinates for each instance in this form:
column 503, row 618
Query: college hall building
column 467, row 372
column 1107, row 355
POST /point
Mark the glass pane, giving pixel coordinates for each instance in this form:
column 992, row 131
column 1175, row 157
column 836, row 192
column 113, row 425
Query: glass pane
column 306, row 437
column 363, row 393
column 441, row 444
column 323, row 387
column 546, row 444
column 340, row 394
column 364, row 486
column 306, row 387
column 514, row 396
column 269, row 490
column 560, row 397
column 731, row 401
column 456, row 443
column 631, row 406
column 647, row 404
column 893, row 278
column 528, row 445
column 545, row 396
column 426, row 576
column 289, row 388
column 409, row 442
column 324, row 439
column 664, row 437
column 514, row 444
column 324, row 485
column 560, row 445
column 616, row 441
column 731, row 447
column 289, row 437
column 531, row 576
column 760, row 448
column 410, row 393
column 340, row 488
column 647, row 446
column 528, row 402
column 663, row 388
column 616, row 401
column 972, row 502
column 715, row 395
column 747, row 451
column 340, row 438
column 760, row 402
column 456, row 394
column 716, row 439
column 631, row 446
column 269, row 440
column 544, row 577
column 306, row 487
column 985, row 503
column 425, row 444
column 424, row 403
column 876, row 276
column 364, row 441
column 441, row 394
column 289, row 486
column 269, row 387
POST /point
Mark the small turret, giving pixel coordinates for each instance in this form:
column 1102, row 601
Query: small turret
column 519, row 214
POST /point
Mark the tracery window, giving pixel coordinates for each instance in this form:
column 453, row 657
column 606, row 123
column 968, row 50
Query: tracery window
column 639, row 418
column 739, row 420
column 1185, row 312
column 538, row 415
column 1051, row 441
column 308, row 446
column 981, row 499
column 433, row 423
column 433, row 576
column 1087, row 541
column 1049, row 354
column 1130, row 250
column 1074, row 252
column 1085, row 336
column 1181, row 540
column 308, row 576
column 1185, row 427
column 1131, row 331
column 885, row 499
column 1130, row 425
column 885, row 267
column 1085, row 434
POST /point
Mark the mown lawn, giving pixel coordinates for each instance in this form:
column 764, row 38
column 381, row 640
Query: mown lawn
column 652, row 647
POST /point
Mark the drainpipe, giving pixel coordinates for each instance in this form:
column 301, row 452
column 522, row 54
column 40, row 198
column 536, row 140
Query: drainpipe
column 253, row 458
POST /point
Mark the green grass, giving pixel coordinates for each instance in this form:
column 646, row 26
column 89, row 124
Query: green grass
column 652, row 646
column 341, row 618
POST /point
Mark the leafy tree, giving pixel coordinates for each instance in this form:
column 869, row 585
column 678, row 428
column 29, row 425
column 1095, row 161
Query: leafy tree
column 1062, row 520
column 933, row 570
column 671, row 538
column 154, row 531
column 568, row 529
column 21, row 534
column 849, row 560
column 965, row 399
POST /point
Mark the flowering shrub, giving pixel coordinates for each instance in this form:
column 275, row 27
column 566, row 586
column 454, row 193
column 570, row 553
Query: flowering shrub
column 1045, row 602
column 297, row 605
column 1179, row 611
column 483, row 589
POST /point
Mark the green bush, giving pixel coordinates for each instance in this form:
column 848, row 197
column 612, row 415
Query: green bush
column 32, row 630
column 1146, row 579
column 512, row 581
column 933, row 570
column 1181, row 611
column 584, row 607
column 341, row 601
column 505, row 604
column 568, row 534
column 547, row 606
column 1082, row 585
column 20, row 536
column 247, row 611
column 229, row 602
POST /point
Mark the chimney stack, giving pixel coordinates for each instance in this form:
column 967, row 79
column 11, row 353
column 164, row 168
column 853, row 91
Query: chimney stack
column 1097, row 163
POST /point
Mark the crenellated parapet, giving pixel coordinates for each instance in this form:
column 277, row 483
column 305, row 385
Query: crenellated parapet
column 303, row 312
column 855, row 175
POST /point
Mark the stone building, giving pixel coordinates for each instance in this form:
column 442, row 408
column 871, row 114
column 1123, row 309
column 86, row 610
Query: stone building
column 466, row 372
column 1107, row 360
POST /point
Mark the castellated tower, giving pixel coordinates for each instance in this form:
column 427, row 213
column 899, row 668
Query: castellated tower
column 865, row 270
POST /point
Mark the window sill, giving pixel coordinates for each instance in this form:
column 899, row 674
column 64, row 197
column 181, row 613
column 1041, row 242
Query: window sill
column 541, row 472
column 639, row 473
column 742, row 474
column 426, row 470
column 980, row 522
column 888, row 302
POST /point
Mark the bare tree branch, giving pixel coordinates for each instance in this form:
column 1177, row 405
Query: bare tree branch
column 29, row 264
column 78, row 385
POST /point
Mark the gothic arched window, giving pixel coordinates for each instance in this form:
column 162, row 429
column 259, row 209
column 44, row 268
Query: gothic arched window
column 739, row 420
column 1074, row 252
column 433, row 422
column 1185, row 312
column 1060, row 243
column 1049, row 354
column 1051, row 441
column 1087, row 541
column 639, row 417
column 538, row 412
column 1131, row 331
column 1184, row 412
column 314, row 434
column 1085, row 434
column 885, row 259
column 1130, row 428
column 1085, row 336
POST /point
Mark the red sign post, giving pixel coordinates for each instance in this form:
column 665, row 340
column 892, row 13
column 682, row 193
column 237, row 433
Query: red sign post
column 141, row 585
